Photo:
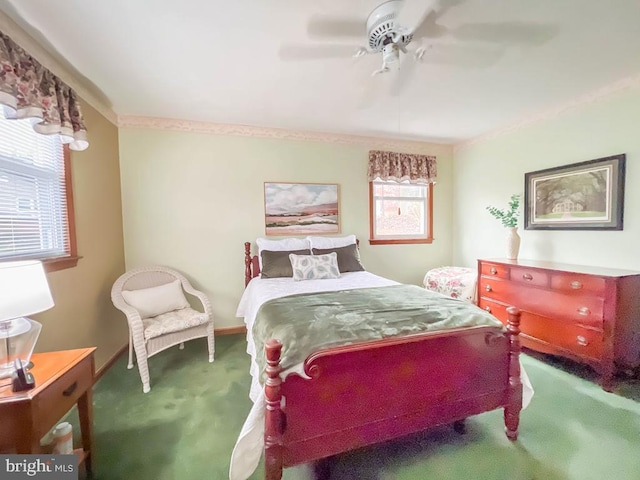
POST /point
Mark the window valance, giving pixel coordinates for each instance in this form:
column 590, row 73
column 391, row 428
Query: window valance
column 402, row 167
column 29, row 90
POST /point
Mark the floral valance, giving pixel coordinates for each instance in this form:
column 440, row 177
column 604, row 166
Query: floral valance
column 29, row 90
column 402, row 167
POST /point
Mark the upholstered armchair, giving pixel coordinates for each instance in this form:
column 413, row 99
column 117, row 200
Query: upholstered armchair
column 159, row 315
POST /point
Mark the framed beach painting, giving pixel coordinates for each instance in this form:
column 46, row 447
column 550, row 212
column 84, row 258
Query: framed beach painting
column 301, row 208
column 581, row 196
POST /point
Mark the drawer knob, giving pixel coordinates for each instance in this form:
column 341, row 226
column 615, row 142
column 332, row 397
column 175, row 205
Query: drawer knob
column 493, row 270
column 576, row 285
column 527, row 276
column 487, row 288
column 488, row 308
column 584, row 311
column 582, row 341
column 70, row 389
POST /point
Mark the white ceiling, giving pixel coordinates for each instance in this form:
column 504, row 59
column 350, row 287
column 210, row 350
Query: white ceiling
column 496, row 63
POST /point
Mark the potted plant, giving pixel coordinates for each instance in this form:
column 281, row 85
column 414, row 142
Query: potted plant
column 509, row 219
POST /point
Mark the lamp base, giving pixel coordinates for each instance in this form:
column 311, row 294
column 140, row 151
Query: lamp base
column 17, row 340
column 7, row 370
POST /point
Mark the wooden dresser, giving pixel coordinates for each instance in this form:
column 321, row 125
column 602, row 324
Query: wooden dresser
column 588, row 314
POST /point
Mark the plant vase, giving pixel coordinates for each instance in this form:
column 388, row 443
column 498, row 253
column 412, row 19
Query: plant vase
column 513, row 243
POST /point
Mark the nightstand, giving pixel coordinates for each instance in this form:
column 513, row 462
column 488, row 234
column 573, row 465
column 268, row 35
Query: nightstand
column 63, row 379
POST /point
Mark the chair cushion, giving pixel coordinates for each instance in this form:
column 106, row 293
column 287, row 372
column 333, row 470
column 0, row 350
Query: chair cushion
column 172, row 322
column 156, row 300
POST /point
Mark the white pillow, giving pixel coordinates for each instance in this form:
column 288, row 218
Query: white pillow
column 314, row 267
column 331, row 242
column 150, row 302
column 281, row 246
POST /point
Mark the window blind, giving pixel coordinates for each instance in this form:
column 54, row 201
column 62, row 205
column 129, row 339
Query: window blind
column 33, row 210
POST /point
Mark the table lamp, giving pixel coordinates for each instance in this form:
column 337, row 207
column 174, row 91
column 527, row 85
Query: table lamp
column 23, row 291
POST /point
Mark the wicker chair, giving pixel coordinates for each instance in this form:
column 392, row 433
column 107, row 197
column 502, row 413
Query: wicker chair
column 150, row 335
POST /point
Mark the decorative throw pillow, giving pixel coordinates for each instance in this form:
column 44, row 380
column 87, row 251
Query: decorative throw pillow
column 348, row 257
column 282, row 245
column 278, row 264
column 150, row 302
column 331, row 242
column 315, row 267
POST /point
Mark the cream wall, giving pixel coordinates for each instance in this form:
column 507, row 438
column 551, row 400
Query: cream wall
column 83, row 315
column 191, row 200
column 489, row 172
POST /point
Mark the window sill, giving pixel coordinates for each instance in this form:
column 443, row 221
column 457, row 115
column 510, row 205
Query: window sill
column 55, row 264
column 407, row 241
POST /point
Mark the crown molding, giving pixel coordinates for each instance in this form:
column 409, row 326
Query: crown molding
column 26, row 41
column 619, row 86
column 155, row 123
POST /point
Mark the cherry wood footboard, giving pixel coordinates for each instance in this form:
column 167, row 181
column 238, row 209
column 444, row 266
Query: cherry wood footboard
column 366, row 393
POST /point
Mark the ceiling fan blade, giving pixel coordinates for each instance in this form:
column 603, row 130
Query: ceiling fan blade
column 413, row 13
column 429, row 28
column 462, row 56
column 316, row 52
column 521, row 33
column 327, row 26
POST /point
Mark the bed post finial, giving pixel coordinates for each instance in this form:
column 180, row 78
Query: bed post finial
column 274, row 416
column 514, row 400
column 247, row 263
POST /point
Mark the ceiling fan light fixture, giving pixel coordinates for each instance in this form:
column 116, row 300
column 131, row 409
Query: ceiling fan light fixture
column 390, row 53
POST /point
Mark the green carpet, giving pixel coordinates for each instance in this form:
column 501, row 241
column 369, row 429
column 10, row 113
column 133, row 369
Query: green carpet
column 186, row 427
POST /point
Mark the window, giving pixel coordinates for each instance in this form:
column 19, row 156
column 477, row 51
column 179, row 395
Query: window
column 400, row 212
column 36, row 202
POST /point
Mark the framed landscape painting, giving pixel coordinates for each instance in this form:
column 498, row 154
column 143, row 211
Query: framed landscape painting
column 581, row 196
column 301, row 208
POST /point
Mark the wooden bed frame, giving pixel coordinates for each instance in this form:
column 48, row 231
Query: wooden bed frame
column 370, row 392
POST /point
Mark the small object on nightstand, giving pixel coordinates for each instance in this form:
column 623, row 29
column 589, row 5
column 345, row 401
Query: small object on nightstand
column 21, row 380
column 63, row 438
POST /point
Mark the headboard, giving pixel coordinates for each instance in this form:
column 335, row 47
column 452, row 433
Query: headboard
column 251, row 265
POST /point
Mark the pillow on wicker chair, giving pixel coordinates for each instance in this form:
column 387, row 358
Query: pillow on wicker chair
column 150, row 302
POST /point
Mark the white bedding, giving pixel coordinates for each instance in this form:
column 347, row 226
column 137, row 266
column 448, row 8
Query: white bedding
column 248, row 449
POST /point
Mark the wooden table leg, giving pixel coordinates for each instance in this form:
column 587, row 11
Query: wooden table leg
column 85, row 413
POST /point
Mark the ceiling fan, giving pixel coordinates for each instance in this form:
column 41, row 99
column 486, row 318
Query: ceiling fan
column 395, row 24
column 390, row 28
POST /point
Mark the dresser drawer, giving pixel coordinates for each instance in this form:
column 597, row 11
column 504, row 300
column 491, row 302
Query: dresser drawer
column 583, row 342
column 494, row 270
column 576, row 284
column 581, row 309
column 529, row 276
column 501, row 290
column 497, row 309
column 63, row 394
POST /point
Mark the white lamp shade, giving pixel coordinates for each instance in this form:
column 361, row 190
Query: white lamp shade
column 23, row 289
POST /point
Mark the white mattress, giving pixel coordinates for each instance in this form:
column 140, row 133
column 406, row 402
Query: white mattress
column 248, row 449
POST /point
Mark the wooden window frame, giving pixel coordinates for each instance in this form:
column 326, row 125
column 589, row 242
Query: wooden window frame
column 403, row 241
column 71, row 259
